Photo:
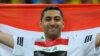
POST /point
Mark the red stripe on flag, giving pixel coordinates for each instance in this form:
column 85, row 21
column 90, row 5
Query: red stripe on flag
column 52, row 43
column 76, row 17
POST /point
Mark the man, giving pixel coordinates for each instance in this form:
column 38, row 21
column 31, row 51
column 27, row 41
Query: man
column 52, row 22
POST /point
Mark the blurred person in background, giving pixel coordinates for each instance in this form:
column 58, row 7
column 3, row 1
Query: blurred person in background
column 86, row 1
column 74, row 2
column 35, row 1
column 55, row 1
column 95, row 1
column 5, row 1
column 58, row 1
column 90, row 1
column 17, row 1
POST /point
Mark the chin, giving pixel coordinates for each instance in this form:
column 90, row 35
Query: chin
column 54, row 35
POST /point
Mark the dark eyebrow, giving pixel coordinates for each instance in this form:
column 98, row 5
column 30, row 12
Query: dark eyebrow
column 48, row 16
column 57, row 16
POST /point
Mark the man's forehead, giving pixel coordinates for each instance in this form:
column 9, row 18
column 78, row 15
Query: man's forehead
column 52, row 12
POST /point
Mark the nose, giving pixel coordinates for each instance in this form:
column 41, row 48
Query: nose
column 52, row 22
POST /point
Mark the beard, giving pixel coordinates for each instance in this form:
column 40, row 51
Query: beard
column 53, row 32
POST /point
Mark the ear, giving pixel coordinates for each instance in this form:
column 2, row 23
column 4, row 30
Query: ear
column 40, row 24
column 63, row 25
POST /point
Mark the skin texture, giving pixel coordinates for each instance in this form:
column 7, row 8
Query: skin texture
column 6, row 39
column 52, row 24
column 98, row 39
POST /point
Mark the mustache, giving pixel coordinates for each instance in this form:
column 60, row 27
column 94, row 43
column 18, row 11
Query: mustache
column 52, row 26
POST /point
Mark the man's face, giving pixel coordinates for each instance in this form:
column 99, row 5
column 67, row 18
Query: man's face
column 52, row 22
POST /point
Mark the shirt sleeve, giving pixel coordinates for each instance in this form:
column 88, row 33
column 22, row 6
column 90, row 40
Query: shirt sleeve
column 97, row 51
column 18, row 45
column 89, row 44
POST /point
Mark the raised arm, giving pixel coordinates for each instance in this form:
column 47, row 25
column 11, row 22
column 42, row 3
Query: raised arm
column 6, row 39
column 98, row 39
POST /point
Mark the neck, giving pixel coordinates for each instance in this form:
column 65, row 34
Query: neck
column 52, row 37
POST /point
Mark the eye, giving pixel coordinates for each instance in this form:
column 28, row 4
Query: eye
column 48, row 18
column 57, row 18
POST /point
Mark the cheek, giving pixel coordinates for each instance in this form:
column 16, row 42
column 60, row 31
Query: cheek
column 61, row 26
column 44, row 25
column 60, row 23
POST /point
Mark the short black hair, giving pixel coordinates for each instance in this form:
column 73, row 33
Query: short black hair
column 51, row 8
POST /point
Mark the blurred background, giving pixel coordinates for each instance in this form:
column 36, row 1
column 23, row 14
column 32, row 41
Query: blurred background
column 50, row 1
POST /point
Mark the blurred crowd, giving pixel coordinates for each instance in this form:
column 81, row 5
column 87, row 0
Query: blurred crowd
column 51, row 1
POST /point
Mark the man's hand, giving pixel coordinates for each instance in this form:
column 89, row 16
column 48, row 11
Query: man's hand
column 98, row 39
column 6, row 39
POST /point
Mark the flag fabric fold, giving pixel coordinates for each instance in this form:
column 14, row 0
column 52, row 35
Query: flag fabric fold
column 25, row 19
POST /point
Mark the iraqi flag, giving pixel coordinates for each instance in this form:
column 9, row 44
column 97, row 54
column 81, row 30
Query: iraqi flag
column 24, row 19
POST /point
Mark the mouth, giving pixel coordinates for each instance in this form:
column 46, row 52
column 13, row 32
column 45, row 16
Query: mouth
column 52, row 30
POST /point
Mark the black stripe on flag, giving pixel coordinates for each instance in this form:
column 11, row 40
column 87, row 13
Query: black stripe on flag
column 88, row 38
column 20, row 41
